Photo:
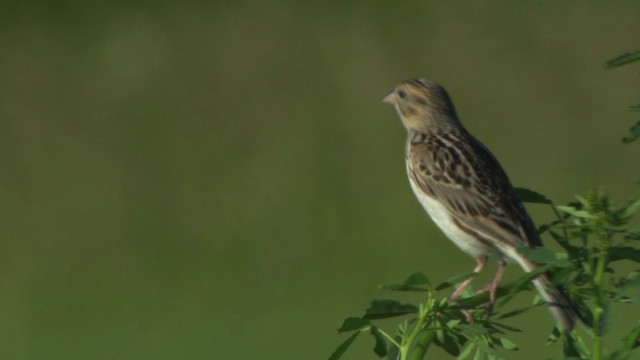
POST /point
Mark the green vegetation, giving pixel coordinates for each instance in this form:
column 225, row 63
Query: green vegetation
column 219, row 179
column 596, row 237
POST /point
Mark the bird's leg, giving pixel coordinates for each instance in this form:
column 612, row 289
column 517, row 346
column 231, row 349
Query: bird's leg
column 492, row 287
column 481, row 263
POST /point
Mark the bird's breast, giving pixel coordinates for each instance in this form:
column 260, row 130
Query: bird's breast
column 442, row 217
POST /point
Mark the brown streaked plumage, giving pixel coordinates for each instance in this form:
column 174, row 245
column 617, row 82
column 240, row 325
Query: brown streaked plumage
column 465, row 190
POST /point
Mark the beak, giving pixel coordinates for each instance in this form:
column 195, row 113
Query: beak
column 390, row 98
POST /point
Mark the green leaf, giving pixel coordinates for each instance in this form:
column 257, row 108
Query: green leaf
column 544, row 228
column 523, row 282
column 475, row 329
column 622, row 60
column 573, row 346
column 447, row 340
column 634, row 133
column 337, row 354
column 627, row 283
column 504, row 326
column 455, row 280
column 474, row 301
column 402, row 287
column 453, row 323
column 392, row 349
column 575, row 212
column 513, row 313
column 624, row 253
column 467, row 351
column 382, row 309
column 508, row 344
column 629, row 342
column 562, row 241
column 582, row 201
column 586, row 314
column 353, row 323
column 630, row 209
column 633, row 235
column 439, row 332
column 530, row 196
column 449, row 344
column 635, row 107
column 381, row 342
column 410, row 284
column 417, row 278
column 631, row 280
column 544, row 255
column 486, row 348
column 554, row 336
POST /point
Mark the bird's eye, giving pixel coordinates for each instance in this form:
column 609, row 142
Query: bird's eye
column 402, row 94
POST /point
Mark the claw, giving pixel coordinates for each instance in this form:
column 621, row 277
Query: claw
column 481, row 263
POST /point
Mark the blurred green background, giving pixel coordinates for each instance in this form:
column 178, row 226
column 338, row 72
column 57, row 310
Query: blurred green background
column 213, row 181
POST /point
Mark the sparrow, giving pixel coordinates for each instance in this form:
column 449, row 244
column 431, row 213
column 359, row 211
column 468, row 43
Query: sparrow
column 466, row 192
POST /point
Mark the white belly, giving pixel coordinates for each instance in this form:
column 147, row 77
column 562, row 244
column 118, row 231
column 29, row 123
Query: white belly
column 440, row 215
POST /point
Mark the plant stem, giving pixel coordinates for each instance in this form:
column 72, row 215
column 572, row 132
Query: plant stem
column 560, row 218
column 598, row 280
column 407, row 343
column 389, row 338
column 423, row 344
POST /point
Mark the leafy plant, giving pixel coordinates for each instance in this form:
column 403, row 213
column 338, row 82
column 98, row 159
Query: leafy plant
column 624, row 59
column 599, row 241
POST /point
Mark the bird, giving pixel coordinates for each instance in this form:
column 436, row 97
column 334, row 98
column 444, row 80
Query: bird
column 466, row 192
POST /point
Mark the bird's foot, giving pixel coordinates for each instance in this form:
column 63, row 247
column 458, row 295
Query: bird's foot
column 467, row 314
column 491, row 288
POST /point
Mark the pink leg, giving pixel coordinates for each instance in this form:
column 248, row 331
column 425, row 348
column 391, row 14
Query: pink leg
column 493, row 287
column 481, row 263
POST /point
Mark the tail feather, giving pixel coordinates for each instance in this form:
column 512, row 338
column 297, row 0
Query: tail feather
column 561, row 307
column 559, row 304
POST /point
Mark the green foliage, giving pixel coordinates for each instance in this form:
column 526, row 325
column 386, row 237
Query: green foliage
column 600, row 244
column 622, row 60
column 596, row 236
column 634, row 131
column 433, row 322
column 531, row 196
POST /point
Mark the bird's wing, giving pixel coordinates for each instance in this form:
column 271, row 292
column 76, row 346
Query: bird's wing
column 466, row 178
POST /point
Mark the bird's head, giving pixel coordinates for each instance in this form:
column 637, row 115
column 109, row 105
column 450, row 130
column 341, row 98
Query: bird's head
column 422, row 104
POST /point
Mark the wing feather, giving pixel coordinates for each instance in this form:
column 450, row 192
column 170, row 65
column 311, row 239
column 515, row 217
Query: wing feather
column 467, row 179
